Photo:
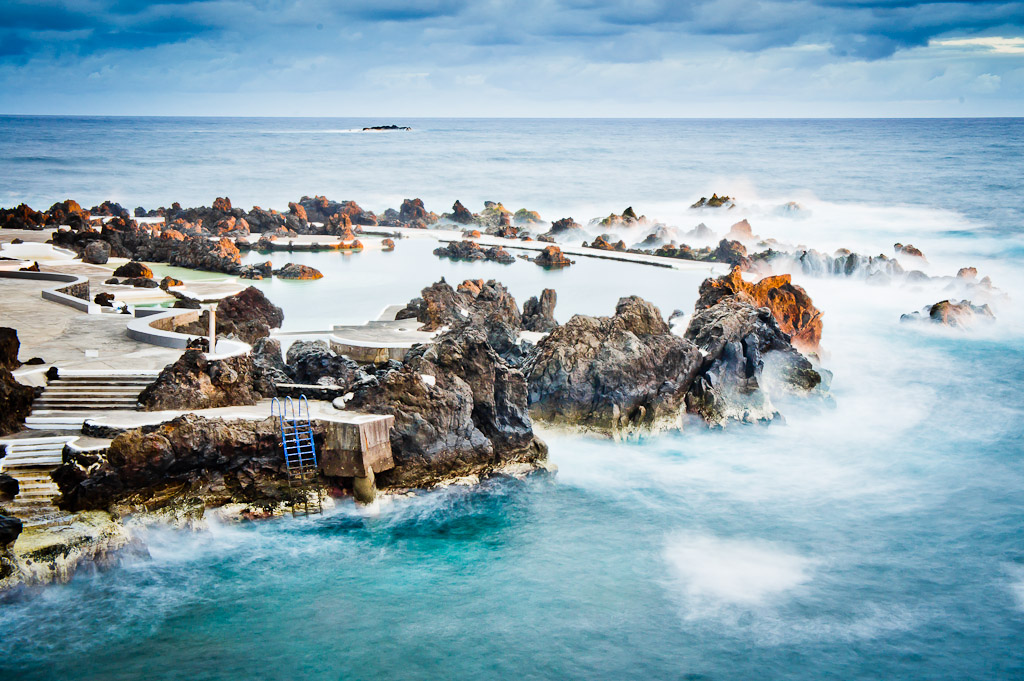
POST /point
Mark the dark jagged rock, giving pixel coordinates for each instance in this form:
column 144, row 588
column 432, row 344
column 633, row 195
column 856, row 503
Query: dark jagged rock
column 961, row 314
column 387, row 245
column 715, row 201
column 262, row 270
column 195, row 382
column 470, row 250
column 199, row 253
column 10, row 530
column 843, row 263
column 206, row 462
column 15, row 398
column 459, row 409
column 110, row 208
column 459, row 214
column 322, row 209
column 140, row 282
column 247, row 315
column 613, row 373
column 104, row 299
column 539, row 313
column 295, row 271
column 268, row 366
column 9, row 487
column 789, row 304
column 34, row 267
column 314, row 362
column 21, row 217
column 250, row 314
column 96, row 252
column 566, row 229
column 381, row 128
column 552, row 257
column 440, row 305
column 744, row 352
column 10, row 346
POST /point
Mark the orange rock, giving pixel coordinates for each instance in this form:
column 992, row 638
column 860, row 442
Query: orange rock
column 788, row 303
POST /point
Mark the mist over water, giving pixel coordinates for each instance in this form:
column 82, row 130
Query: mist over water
column 876, row 537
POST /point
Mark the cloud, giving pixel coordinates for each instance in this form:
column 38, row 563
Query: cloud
column 535, row 52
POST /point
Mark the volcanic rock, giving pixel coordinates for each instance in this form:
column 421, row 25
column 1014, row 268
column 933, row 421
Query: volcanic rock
column 96, row 252
column 789, row 304
column 314, row 362
column 539, row 313
column 459, row 409
column 208, row 462
column 195, row 382
column 15, row 398
column 961, row 314
column 552, row 257
column 295, row 271
column 615, row 373
column 459, row 214
column 134, row 269
column 715, row 201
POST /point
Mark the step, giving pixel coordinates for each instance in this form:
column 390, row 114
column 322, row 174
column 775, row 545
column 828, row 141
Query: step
column 32, row 456
column 63, row 439
column 98, row 390
column 104, row 380
column 64, row 419
column 13, row 450
column 46, row 405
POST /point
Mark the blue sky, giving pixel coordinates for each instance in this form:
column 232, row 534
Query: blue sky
column 513, row 58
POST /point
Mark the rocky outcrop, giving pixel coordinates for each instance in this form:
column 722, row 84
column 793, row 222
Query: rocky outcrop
column 470, row 250
column 134, row 269
column 789, row 304
column 9, row 487
column 459, row 409
column 10, row 530
column 313, row 362
column 268, row 367
column 526, row 217
column 539, row 313
column 843, row 263
column 195, row 382
column 460, row 214
column 908, row 250
column 21, row 217
column 190, row 460
column 295, row 271
column 440, row 305
column 746, row 357
column 199, row 253
column 249, row 315
column 566, row 229
column 730, row 252
column 96, row 252
column 552, row 257
column 715, row 201
column 15, row 398
column 627, row 219
column 614, row 374
column 962, row 314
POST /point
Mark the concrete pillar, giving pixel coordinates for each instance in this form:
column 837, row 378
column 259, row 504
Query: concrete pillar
column 365, row 489
column 213, row 329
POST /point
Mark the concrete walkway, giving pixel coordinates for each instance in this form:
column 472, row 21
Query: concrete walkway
column 318, row 410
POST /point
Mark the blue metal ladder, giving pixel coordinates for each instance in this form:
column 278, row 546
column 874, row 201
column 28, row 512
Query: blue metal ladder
column 299, row 448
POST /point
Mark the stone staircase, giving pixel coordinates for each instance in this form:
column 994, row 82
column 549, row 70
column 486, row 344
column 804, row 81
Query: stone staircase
column 30, row 460
column 75, row 396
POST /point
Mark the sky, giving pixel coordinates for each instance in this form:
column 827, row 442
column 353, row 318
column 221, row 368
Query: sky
column 544, row 58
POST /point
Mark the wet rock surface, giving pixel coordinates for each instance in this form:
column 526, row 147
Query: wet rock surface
column 612, row 373
column 459, row 409
column 189, row 460
column 552, row 257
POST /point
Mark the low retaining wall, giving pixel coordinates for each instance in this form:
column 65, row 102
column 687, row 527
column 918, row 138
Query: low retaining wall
column 73, row 291
column 158, row 329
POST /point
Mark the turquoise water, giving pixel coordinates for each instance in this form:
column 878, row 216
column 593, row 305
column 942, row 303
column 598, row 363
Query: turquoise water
column 881, row 538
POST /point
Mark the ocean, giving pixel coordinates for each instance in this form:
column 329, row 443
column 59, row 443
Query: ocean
column 881, row 537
